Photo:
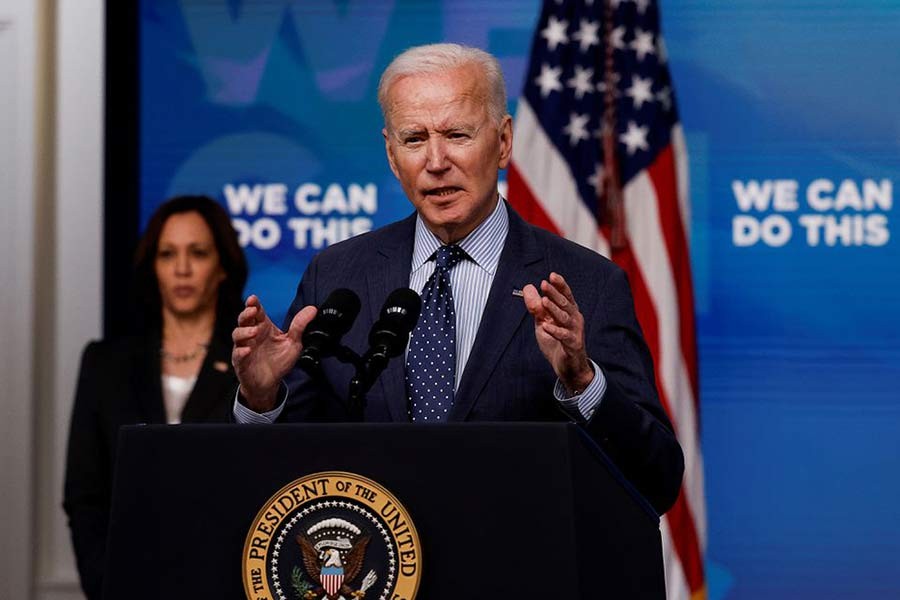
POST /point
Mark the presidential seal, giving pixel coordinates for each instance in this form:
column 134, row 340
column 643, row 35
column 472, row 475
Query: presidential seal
column 332, row 536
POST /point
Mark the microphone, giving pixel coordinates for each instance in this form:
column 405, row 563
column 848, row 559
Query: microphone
column 322, row 336
column 399, row 315
column 388, row 337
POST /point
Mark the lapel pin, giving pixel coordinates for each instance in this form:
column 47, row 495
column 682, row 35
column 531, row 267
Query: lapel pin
column 518, row 293
column 221, row 366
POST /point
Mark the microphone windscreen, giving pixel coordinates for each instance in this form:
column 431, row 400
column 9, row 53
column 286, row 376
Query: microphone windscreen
column 335, row 316
column 341, row 307
column 399, row 316
column 403, row 306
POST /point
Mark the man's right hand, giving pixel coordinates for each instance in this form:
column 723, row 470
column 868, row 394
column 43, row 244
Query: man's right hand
column 263, row 354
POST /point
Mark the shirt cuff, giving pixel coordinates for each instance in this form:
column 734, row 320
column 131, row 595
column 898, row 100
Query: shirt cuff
column 585, row 403
column 248, row 416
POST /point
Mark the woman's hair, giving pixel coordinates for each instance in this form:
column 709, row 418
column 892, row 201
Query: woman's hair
column 231, row 257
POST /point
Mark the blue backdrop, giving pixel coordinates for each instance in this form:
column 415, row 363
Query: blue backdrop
column 792, row 116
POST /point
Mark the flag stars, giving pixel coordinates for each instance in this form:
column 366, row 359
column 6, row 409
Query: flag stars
column 587, row 35
column 665, row 98
column 617, row 38
column 596, row 179
column 635, row 138
column 640, row 92
column 602, row 86
column 642, row 44
column 577, row 128
column 581, row 82
column 548, row 80
column 661, row 51
column 555, row 32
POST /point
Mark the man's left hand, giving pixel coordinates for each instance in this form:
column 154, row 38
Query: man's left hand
column 559, row 328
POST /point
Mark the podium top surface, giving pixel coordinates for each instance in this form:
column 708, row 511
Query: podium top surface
column 506, row 446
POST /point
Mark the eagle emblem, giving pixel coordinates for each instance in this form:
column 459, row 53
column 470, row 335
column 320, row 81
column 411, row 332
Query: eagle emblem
column 333, row 562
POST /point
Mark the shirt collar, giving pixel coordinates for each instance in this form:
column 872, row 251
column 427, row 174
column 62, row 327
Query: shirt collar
column 483, row 246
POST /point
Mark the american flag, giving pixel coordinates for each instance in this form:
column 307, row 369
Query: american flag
column 599, row 157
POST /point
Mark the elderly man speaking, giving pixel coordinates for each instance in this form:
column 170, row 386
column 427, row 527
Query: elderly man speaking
column 517, row 324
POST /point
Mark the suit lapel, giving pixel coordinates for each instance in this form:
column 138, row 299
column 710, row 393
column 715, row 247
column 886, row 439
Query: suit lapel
column 214, row 381
column 390, row 270
column 148, row 384
column 520, row 263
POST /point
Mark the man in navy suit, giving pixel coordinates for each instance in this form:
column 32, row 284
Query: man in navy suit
column 524, row 348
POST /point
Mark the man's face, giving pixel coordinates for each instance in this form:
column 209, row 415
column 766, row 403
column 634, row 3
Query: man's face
column 445, row 149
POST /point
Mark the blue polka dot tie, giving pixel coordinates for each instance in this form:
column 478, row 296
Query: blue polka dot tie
column 431, row 359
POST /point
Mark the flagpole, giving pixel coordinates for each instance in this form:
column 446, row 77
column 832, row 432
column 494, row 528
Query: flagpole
column 610, row 192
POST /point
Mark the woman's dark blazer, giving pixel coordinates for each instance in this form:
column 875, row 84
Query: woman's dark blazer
column 119, row 384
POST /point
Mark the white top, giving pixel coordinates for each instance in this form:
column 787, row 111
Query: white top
column 175, row 392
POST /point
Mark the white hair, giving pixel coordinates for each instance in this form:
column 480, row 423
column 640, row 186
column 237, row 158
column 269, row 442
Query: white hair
column 436, row 58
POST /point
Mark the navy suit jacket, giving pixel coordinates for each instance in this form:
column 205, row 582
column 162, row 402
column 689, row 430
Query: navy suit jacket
column 506, row 377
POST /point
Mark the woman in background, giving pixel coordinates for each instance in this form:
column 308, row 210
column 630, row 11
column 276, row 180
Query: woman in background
column 175, row 368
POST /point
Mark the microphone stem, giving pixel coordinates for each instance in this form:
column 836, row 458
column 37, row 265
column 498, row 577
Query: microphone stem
column 368, row 368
